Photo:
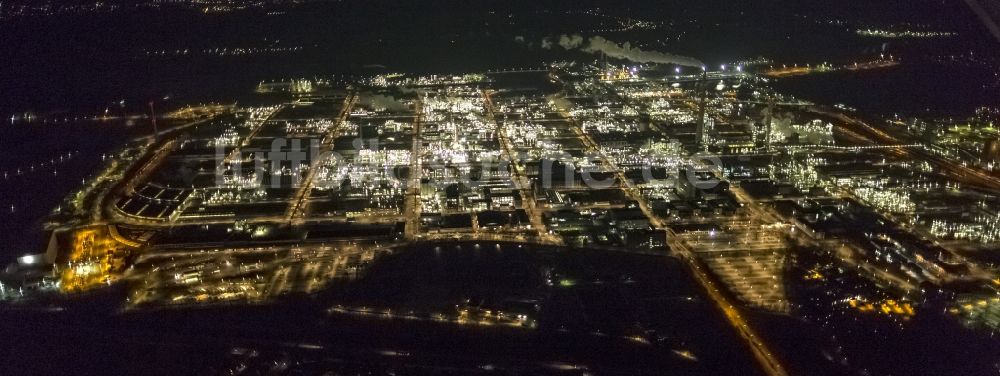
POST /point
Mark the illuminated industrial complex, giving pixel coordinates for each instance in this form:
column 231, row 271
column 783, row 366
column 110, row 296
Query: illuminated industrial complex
column 709, row 167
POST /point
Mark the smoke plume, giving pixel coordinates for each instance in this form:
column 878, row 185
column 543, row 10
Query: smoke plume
column 570, row 42
column 599, row 45
column 387, row 102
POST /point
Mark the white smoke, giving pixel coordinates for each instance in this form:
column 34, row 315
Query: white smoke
column 570, row 42
column 387, row 102
column 624, row 51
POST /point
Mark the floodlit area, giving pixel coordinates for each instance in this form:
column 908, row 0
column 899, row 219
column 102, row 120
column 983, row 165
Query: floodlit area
column 712, row 166
column 745, row 187
column 251, row 274
column 316, row 187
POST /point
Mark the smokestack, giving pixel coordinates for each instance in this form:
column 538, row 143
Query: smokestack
column 767, row 123
column 152, row 117
column 700, row 132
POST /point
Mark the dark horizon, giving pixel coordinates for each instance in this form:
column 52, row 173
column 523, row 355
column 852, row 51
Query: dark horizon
column 499, row 187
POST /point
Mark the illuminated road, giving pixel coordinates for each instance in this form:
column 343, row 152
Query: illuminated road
column 298, row 208
column 769, row 364
column 765, row 358
column 625, row 184
column 254, row 129
column 412, row 204
column 861, row 130
column 805, row 70
column 517, row 171
column 104, row 207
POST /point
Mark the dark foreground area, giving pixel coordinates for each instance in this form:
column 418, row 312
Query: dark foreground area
column 591, row 312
